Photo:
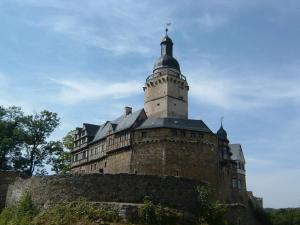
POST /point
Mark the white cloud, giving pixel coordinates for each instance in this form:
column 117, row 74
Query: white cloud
column 230, row 91
column 73, row 91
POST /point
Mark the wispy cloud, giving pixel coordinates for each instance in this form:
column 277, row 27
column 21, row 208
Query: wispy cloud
column 74, row 91
column 227, row 90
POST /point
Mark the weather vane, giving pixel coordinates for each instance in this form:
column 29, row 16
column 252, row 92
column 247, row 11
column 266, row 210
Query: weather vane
column 167, row 25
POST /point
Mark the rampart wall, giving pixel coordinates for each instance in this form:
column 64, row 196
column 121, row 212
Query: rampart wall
column 6, row 178
column 171, row 191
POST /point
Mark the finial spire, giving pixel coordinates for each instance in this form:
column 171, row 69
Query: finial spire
column 222, row 118
column 167, row 25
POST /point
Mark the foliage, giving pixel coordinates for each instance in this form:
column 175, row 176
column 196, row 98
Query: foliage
column 75, row 212
column 209, row 212
column 150, row 213
column 38, row 128
column 61, row 159
column 81, row 212
column 11, row 136
column 23, row 139
column 21, row 214
column 289, row 216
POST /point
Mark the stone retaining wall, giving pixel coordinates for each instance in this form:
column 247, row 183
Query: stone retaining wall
column 170, row 191
column 6, row 178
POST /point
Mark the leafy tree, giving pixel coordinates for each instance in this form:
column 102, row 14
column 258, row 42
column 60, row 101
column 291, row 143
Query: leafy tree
column 38, row 128
column 11, row 135
column 210, row 212
column 61, row 159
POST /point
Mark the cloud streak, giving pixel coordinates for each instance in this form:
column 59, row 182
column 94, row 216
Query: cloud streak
column 72, row 91
column 243, row 93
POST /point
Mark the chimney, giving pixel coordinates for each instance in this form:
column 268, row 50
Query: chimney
column 127, row 110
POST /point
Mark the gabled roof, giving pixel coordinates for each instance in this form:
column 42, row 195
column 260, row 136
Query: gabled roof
column 237, row 152
column 91, row 129
column 121, row 123
column 185, row 124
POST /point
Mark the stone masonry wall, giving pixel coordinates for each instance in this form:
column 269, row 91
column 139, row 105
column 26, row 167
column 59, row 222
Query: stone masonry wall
column 171, row 191
column 6, row 178
column 184, row 156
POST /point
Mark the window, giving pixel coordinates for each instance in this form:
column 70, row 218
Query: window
column 144, row 134
column 177, row 173
column 239, row 184
column 158, row 104
column 100, row 170
column 234, row 183
column 193, row 135
column 105, row 164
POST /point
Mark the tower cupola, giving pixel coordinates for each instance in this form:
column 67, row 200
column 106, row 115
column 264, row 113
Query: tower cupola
column 221, row 133
column 166, row 60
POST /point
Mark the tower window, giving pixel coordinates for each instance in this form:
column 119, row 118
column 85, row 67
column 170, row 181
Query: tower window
column 177, row 173
column 158, row 104
column 234, row 183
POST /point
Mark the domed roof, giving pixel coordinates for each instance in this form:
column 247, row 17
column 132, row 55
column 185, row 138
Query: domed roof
column 221, row 133
column 166, row 39
column 166, row 61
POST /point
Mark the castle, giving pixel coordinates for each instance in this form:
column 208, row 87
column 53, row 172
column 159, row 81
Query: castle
column 161, row 140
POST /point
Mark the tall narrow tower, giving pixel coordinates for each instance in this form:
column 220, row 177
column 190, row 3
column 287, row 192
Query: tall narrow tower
column 166, row 90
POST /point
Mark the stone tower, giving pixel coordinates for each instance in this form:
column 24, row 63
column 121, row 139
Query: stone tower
column 166, row 90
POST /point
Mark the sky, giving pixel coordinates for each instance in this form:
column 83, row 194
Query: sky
column 86, row 60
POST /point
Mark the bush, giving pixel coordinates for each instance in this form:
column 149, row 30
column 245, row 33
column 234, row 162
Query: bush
column 75, row 212
column 150, row 213
column 209, row 212
column 20, row 214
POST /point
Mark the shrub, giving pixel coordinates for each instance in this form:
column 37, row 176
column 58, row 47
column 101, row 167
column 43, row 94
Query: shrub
column 150, row 213
column 75, row 212
column 209, row 212
column 20, row 214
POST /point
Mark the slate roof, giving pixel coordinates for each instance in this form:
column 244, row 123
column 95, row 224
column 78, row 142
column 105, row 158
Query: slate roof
column 185, row 124
column 91, row 129
column 237, row 152
column 121, row 123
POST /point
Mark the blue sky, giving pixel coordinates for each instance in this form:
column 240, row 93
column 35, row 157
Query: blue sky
column 86, row 60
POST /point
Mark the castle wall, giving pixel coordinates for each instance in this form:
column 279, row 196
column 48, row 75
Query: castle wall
column 45, row 191
column 158, row 152
column 6, row 178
